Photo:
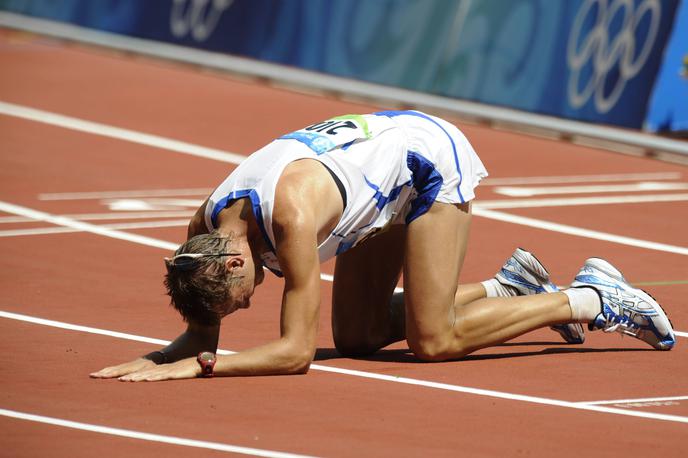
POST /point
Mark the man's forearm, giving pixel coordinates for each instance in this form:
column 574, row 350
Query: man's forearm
column 275, row 358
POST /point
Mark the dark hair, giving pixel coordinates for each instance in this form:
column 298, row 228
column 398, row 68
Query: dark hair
column 198, row 292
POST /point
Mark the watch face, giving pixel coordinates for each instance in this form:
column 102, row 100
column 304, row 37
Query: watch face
column 206, row 356
column 207, row 361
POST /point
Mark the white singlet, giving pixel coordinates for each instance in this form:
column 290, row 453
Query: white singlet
column 393, row 165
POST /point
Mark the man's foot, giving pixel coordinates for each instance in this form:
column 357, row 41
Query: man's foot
column 523, row 272
column 625, row 309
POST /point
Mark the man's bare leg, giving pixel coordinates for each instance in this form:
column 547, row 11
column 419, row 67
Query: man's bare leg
column 444, row 321
column 465, row 294
column 490, row 321
column 366, row 313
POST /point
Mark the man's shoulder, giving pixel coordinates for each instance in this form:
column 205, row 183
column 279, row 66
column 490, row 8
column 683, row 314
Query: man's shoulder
column 298, row 188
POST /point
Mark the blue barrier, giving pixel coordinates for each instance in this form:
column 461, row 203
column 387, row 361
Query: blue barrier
column 668, row 109
column 591, row 60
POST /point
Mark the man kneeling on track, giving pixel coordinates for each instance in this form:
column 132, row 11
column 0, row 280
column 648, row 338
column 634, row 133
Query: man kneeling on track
column 384, row 192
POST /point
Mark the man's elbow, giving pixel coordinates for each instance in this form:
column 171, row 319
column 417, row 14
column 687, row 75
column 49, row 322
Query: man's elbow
column 196, row 227
column 299, row 361
column 197, row 224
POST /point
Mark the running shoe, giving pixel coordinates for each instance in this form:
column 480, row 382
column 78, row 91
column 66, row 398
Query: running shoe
column 625, row 309
column 523, row 272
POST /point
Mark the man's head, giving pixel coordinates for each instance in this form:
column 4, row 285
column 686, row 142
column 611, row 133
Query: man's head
column 210, row 276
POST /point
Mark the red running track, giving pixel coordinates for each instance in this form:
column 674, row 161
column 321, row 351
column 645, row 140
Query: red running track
column 91, row 280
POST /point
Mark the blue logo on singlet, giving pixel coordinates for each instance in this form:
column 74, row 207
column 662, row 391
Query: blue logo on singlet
column 317, row 142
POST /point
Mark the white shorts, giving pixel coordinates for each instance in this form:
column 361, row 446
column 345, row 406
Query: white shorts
column 439, row 156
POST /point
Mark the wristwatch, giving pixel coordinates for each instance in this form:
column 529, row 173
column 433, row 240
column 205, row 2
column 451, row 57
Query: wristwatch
column 207, row 361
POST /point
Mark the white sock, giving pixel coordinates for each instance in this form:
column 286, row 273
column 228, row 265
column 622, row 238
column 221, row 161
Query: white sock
column 495, row 289
column 584, row 302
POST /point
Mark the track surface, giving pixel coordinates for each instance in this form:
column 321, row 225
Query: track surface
column 91, row 280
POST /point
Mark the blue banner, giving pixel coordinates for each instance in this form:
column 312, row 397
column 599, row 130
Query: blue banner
column 668, row 111
column 591, row 60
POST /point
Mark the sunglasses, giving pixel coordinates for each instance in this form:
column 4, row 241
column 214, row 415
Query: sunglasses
column 187, row 261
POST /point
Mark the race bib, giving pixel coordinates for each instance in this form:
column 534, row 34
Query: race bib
column 339, row 132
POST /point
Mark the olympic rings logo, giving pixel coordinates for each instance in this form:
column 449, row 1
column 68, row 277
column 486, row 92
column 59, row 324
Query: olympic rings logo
column 601, row 53
column 197, row 17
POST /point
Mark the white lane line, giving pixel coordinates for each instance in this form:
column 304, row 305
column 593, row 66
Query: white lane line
column 568, row 201
column 644, row 186
column 153, row 202
column 233, row 158
column 578, row 231
column 104, row 130
column 681, row 334
column 633, row 401
column 159, row 142
column 86, row 227
column 129, row 194
column 80, row 328
column 107, row 216
column 146, row 204
column 100, row 129
column 147, row 436
column 491, row 214
column 374, row 376
column 94, row 229
column 67, row 230
column 506, row 181
column 149, row 241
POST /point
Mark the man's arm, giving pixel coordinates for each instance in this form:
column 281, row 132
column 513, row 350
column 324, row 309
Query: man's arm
column 296, row 245
column 194, row 340
column 292, row 353
column 197, row 224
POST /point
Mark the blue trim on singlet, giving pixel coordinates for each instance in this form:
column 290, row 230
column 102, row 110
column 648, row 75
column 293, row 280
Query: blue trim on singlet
column 257, row 212
column 346, row 146
column 318, row 143
column 391, row 114
column 344, row 246
column 381, row 199
column 426, row 180
column 348, row 240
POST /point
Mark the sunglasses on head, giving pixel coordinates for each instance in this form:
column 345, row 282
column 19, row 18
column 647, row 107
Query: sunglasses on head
column 186, row 261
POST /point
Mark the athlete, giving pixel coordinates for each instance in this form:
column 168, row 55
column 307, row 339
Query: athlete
column 384, row 193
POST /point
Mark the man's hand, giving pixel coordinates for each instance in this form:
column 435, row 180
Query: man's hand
column 186, row 368
column 124, row 369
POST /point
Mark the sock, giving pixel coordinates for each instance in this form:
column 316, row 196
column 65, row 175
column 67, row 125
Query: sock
column 584, row 302
column 495, row 289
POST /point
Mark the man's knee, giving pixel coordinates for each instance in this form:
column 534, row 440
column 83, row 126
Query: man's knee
column 367, row 332
column 436, row 348
column 353, row 346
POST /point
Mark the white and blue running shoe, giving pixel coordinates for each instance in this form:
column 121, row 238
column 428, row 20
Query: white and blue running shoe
column 523, row 272
column 625, row 309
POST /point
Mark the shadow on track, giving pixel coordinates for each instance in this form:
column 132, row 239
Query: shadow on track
column 406, row 356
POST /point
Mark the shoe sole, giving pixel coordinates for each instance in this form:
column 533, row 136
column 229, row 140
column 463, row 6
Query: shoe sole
column 561, row 329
